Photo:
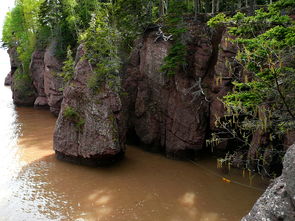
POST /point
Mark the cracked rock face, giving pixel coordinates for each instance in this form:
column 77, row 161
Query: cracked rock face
column 52, row 82
column 87, row 130
column 163, row 111
column 44, row 71
column 277, row 202
column 44, row 87
column 37, row 75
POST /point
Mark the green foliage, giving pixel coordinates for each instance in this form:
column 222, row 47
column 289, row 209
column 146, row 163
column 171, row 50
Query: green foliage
column 287, row 5
column 175, row 59
column 175, row 26
column 68, row 67
column 59, row 19
column 20, row 28
column 217, row 20
column 106, row 27
column 132, row 17
column 266, row 103
column 72, row 115
column 23, row 84
column 101, row 40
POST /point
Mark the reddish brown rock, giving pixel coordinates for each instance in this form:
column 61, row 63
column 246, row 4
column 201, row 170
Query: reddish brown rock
column 203, row 53
column 14, row 61
column 41, row 102
column 37, row 75
column 23, row 91
column 88, row 127
column 53, row 83
column 163, row 110
column 222, row 75
column 8, row 79
column 289, row 139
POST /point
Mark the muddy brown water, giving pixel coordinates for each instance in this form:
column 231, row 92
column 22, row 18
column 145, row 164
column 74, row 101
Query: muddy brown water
column 144, row 186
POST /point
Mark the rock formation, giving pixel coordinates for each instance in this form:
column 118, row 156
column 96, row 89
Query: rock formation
column 23, row 92
column 44, row 70
column 8, row 79
column 88, row 127
column 53, row 83
column 37, row 75
column 164, row 112
column 168, row 114
column 43, row 87
column 278, row 201
column 175, row 113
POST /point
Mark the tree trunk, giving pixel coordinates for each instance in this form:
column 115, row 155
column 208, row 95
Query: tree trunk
column 239, row 4
column 252, row 5
column 217, row 5
column 162, row 8
column 197, row 7
column 213, row 7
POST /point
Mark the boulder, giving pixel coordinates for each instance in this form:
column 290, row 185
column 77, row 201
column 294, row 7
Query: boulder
column 277, row 202
column 289, row 172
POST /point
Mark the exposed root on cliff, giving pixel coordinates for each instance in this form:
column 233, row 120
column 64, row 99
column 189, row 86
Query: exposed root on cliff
column 160, row 35
column 197, row 93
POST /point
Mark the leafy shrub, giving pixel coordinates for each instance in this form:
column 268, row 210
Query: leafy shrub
column 72, row 115
column 175, row 26
column 101, row 40
column 23, row 84
column 68, row 67
column 266, row 43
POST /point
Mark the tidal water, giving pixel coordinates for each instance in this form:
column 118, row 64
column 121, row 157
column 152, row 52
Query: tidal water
column 144, row 186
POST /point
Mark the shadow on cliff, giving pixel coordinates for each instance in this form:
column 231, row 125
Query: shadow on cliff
column 143, row 186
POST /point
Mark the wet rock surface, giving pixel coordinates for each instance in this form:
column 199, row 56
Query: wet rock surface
column 277, row 202
column 88, row 127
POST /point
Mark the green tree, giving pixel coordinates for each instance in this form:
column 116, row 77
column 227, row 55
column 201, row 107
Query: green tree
column 266, row 44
